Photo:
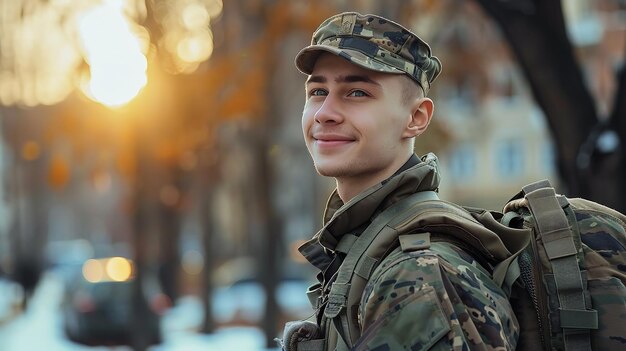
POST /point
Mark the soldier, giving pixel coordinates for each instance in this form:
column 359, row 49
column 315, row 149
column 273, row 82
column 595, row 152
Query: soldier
column 365, row 105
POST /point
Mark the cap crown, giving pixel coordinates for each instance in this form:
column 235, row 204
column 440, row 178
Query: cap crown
column 375, row 43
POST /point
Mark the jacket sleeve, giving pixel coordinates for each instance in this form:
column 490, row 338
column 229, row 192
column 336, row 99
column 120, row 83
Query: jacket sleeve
column 436, row 299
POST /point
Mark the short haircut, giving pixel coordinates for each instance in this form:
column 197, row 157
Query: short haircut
column 410, row 89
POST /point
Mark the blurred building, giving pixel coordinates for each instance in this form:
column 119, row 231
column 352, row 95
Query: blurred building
column 499, row 137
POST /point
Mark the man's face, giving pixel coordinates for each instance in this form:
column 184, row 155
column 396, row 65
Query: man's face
column 355, row 122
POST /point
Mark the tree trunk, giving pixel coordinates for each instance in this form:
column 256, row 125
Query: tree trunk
column 169, row 245
column 207, row 228
column 140, row 240
column 536, row 33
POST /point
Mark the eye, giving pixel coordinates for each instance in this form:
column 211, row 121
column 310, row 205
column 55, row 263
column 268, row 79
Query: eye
column 358, row 93
column 318, row 92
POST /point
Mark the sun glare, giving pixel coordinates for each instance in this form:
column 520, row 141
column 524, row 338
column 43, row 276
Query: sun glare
column 113, row 52
column 46, row 43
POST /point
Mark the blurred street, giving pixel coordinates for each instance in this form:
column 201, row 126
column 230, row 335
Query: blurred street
column 153, row 170
column 40, row 327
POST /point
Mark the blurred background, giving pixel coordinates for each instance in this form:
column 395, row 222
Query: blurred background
column 155, row 184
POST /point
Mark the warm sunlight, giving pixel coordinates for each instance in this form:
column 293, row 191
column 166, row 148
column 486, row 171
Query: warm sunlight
column 30, row 33
column 45, row 45
column 113, row 52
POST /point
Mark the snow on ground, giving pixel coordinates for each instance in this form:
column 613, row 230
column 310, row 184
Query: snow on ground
column 40, row 328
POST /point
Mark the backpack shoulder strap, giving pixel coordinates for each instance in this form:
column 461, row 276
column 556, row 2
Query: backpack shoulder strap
column 419, row 213
column 558, row 240
column 358, row 263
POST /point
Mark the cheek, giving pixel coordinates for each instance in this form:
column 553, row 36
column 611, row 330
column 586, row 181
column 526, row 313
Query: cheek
column 308, row 116
column 307, row 121
column 389, row 130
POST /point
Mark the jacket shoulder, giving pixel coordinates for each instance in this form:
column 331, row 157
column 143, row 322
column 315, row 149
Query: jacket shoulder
column 441, row 283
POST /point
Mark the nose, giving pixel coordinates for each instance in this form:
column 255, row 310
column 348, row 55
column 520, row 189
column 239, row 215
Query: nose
column 329, row 111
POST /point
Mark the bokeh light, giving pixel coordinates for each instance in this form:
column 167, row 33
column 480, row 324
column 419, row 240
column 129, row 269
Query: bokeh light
column 187, row 39
column 31, row 150
column 193, row 262
column 170, row 195
column 118, row 269
column 92, row 271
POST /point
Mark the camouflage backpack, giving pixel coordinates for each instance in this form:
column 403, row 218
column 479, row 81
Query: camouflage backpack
column 562, row 262
column 568, row 282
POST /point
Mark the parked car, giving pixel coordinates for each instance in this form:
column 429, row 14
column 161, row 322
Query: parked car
column 239, row 299
column 98, row 309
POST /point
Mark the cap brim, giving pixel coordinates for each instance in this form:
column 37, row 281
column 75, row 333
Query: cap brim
column 307, row 57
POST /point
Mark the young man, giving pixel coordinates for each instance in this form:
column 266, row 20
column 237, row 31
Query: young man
column 365, row 104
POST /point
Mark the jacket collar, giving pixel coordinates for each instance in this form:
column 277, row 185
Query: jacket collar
column 340, row 218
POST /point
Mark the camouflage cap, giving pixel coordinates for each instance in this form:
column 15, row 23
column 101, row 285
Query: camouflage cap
column 372, row 42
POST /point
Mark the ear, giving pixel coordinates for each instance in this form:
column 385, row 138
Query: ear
column 421, row 113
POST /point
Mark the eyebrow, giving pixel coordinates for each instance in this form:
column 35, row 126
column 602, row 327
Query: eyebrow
column 353, row 78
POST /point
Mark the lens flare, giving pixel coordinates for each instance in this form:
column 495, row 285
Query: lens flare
column 113, row 52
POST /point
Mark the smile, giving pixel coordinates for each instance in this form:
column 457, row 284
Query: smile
column 328, row 140
column 331, row 143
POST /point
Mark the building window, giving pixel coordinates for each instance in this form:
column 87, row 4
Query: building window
column 503, row 82
column 463, row 162
column 510, row 158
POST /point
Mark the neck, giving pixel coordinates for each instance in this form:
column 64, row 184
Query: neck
column 349, row 187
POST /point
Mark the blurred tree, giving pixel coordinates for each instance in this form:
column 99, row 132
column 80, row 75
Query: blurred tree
column 29, row 197
column 591, row 147
column 266, row 25
column 239, row 83
column 154, row 139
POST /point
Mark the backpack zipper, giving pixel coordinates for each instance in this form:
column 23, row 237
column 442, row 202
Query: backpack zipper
column 536, row 284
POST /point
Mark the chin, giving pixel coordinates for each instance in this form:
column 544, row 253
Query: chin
column 329, row 171
column 341, row 169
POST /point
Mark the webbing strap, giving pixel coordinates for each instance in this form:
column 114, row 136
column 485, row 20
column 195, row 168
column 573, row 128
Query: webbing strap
column 365, row 268
column 544, row 183
column 342, row 325
column 512, row 273
column 311, row 345
column 414, row 242
column 579, row 319
column 345, row 243
column 506, row 272
column 314, row 293
column 341, row 340
column 355, row 262
column 558, row 240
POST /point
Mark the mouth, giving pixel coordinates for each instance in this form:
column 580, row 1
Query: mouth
column 331, row 137
column 328, row 140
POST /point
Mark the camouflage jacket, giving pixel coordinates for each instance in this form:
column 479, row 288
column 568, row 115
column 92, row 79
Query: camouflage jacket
column 434, row 299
